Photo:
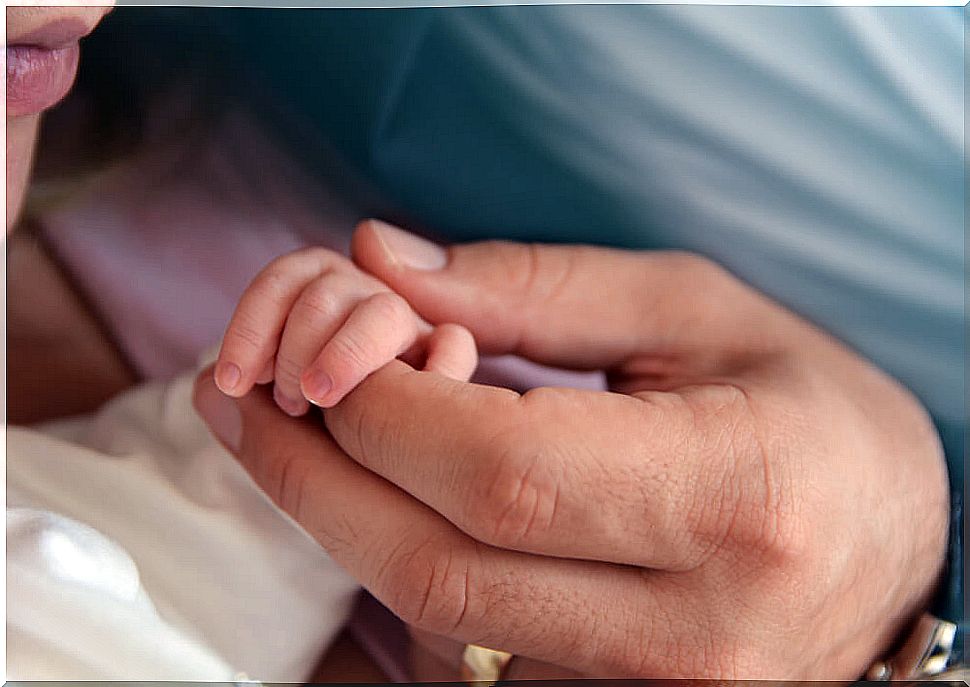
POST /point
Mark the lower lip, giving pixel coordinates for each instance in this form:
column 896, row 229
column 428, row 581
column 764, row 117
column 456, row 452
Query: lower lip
column 38, row 77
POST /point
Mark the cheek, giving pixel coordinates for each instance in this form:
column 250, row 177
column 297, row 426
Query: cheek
column 21, row 135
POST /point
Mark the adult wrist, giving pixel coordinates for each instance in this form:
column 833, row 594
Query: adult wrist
column 935, row 646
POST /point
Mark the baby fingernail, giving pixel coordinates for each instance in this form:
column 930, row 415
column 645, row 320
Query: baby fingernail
column 409, row 250
column 316, row 385
column 227, row 376
column 290, row 406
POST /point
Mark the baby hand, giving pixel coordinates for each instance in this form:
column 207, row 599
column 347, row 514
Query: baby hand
column 316, row 326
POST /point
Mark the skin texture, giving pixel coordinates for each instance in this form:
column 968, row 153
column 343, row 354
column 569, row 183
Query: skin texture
column 738, row 505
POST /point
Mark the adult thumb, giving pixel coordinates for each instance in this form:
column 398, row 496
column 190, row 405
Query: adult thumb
column 579, row 307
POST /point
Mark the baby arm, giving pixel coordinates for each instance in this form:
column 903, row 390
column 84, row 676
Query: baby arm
column 315, row 325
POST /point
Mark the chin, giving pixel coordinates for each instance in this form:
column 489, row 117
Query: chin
column 21, row 136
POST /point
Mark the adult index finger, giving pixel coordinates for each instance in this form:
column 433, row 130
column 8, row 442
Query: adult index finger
column 558, row 472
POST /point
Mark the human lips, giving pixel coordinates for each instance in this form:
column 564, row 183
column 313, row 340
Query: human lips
column 38, row 77
column 41, row 65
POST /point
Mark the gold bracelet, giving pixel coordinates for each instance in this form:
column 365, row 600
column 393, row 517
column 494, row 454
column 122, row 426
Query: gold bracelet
column 483, row 667
column 926, row 654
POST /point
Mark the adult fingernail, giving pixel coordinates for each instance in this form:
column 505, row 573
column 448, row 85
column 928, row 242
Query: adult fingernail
column 291, row 406
column 221, row 414
column 317, row 385
column 227, row 376
column 404, row 248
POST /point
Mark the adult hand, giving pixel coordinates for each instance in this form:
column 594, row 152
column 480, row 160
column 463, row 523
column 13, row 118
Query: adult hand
column 750, row 500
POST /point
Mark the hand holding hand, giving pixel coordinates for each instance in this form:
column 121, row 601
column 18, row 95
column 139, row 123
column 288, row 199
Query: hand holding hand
column 749, row 500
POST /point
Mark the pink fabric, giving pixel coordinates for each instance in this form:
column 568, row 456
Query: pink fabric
column 164, row 245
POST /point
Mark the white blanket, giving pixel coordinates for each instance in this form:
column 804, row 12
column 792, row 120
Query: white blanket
column 138, row 549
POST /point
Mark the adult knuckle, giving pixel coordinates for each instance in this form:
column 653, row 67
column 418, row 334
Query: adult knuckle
column 511, row 258
column 519, row 502
column 671, row 488
column 341, row 536
column 782, row 542
column 516, row 265
column 430, row 586
column 703, row 304
column 550, row 271
column 728, row 510
column 757, row 512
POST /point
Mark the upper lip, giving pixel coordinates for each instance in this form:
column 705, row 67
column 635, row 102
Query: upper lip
column 55, row 34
